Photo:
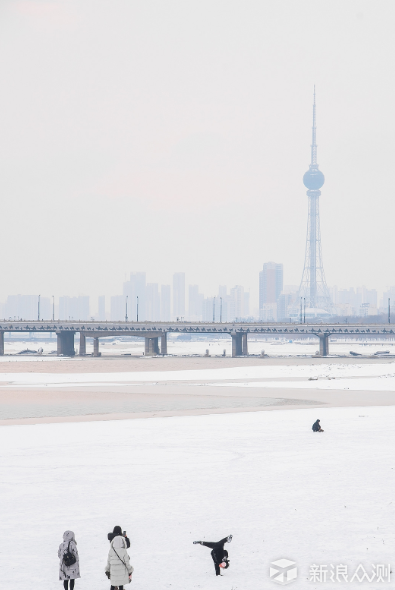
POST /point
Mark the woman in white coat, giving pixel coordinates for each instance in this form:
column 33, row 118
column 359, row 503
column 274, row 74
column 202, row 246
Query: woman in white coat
column 118, row 567
column 71, row 572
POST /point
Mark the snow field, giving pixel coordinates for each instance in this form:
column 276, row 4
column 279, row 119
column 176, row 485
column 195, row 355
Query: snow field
column 360, row 373
column 282, row 491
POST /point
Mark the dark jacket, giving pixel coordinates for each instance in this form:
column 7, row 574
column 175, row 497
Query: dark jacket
column 218, row 552
column 316, row 426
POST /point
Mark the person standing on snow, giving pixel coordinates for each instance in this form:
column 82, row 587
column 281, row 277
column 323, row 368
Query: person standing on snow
column 317, row 427
column 69, row 567
column 116, row 532
column 118, row 568
column 218, row 553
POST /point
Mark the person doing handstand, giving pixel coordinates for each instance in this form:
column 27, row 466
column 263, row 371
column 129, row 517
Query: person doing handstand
column 218, row 553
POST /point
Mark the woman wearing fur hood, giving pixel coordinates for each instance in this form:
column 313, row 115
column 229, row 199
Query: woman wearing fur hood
column 118, row 568
column 71, row 572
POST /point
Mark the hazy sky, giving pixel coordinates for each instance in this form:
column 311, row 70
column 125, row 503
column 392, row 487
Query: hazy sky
column 173, row 136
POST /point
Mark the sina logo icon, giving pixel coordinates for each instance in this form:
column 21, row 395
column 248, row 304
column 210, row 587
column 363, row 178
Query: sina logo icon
column 283, row 571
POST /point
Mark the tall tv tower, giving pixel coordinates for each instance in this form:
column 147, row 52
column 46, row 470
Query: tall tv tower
column 313, row 287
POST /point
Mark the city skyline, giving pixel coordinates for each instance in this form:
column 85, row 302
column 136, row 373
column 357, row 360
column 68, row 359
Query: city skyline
column 202, row 153
column 278, row 301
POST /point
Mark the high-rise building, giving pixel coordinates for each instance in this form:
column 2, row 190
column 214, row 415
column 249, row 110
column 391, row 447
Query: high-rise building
column 313, row 286
column 25, row 307
column 270, row 283
column 101, row 314
column 195, row 310
column 179, row 295
column 270, row 288
column 165, row 303
column 118, row 308
column 135, row 289
column 237, row 302
column 152, row 302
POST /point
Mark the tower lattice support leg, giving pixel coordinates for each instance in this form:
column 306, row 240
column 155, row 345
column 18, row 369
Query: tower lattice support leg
column 1, row 342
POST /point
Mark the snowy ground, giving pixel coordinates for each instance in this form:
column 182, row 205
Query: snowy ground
column 282, row 491
column 369, row 376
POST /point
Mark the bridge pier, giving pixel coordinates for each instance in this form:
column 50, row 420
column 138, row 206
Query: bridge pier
column 96, row 346
column 82, row 344
column 65, row 343
column 1, row 342
column 324, row 344
column 152, row 346
column 163, row 343
column 237, row 347
column 244, row 345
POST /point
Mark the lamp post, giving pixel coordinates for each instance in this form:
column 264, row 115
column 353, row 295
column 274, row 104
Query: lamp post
column 304, row 310
column 53, row 308
column 38, row 308
column 220, row 311
column 214, row 310
column 126, row 310
column 389, row 310
column 137, row 308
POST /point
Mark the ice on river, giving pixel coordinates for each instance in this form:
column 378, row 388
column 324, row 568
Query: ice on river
column 282, row 491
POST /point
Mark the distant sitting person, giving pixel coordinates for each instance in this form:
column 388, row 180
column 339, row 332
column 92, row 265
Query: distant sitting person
column 317, row 427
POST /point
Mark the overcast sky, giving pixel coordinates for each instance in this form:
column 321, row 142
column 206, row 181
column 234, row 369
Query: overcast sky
column 173, row 136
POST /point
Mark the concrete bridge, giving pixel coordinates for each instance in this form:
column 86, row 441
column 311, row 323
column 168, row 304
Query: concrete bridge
column 153, row 331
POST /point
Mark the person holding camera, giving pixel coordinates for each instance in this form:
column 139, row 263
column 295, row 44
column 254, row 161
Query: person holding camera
column 69, row 567
column 117, row 531
column 118, row 568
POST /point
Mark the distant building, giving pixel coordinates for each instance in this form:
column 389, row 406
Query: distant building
column 152, row 302
column 179, row 295
column 118, row 308
column 270, row 288
column 101, row 314
column 165, row 303
column 25, row 307
column 74, row 308
column 135, row 288
column 268, row 312
column 270, row 283
column 195, row 303
column 238, row 305
column 358, row 302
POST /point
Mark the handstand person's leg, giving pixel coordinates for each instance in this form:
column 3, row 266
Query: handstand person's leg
column 72, row 584
column 65, row 584
column 209, row 545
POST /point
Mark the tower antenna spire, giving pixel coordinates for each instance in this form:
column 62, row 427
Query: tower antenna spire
column 314, row 137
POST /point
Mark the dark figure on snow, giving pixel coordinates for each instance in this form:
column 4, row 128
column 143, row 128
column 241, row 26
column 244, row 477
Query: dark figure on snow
column 218, row 553
column 317, row 427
